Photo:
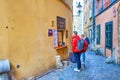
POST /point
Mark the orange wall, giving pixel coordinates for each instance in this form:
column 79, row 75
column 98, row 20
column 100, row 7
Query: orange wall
column 25, row 42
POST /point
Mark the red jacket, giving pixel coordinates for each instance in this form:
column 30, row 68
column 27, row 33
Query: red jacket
column 85, row 46
column 75, row 43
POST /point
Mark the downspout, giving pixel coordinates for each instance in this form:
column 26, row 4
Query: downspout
column 93, row 22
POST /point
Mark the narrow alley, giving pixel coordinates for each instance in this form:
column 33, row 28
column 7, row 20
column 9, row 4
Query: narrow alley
column 96, row 69
column 38, row 36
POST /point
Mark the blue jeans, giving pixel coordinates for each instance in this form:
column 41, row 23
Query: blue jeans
column 78, row 60
column 83, row 57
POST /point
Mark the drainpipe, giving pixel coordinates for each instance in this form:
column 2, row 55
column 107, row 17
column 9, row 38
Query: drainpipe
column 93, row 21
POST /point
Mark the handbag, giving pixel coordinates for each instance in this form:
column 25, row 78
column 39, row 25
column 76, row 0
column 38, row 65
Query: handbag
column 72, row 57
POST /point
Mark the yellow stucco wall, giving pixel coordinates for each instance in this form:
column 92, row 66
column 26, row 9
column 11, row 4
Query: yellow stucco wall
column 24, row 37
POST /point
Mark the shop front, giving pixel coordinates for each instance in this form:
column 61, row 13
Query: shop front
column 61, row 38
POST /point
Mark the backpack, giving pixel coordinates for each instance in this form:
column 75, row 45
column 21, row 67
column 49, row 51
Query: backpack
column 80, row 44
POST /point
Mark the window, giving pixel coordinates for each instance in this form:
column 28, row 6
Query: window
column 111, row 1
column 98, row 34
column 61, row 28
column 108, row 34
column 60, row 36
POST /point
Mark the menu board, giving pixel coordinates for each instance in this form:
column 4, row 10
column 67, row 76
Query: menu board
column 55, row 38
column 61, row 23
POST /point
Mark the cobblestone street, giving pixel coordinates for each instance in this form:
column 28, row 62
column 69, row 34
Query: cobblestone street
column 96, row 69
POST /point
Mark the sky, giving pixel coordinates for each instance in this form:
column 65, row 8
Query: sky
column 77, row 20
column 75, row 2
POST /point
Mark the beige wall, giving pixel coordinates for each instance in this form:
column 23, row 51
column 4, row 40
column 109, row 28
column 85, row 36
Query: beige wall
column 25, row 42
column 87, row 13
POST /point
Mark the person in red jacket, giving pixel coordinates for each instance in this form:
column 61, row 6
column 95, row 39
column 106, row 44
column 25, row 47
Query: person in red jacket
column 84, row 49
column 76, row 52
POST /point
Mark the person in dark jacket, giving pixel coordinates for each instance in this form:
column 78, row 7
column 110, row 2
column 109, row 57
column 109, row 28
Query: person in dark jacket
column 87, row 39
column 84, row 49
column 76, row 52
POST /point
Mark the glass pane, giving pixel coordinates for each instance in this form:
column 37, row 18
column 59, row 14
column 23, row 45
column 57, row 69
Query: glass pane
column 106, row 28
column 109, row 35
column 119, row 13
column 106, row 35
column 119, row 27
column 119, row 43
column 109, row 28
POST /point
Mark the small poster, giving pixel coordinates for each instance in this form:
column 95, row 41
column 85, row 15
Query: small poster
column 61, row 23
column 55, row 38
column 50, row 32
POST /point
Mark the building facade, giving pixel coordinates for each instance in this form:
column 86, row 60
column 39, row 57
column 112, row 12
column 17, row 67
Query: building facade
column 107, row 27
column 33, row 32
column 87, row 20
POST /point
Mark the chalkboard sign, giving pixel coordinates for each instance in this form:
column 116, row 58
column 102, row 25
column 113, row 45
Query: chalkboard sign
column 61, row 23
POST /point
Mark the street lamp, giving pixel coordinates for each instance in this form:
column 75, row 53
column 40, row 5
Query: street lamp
column 79, row 9
column 79, row 5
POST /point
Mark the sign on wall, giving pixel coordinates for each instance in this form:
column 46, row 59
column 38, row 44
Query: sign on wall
column 55, row 38
column 50, row 32
column 61, row 23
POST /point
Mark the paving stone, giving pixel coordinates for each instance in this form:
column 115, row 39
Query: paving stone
column 96, row 69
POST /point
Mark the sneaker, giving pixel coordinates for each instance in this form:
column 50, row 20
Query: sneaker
column 76, row 69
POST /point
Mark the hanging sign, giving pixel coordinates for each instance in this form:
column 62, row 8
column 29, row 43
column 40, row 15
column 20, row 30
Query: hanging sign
column 61, row 23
